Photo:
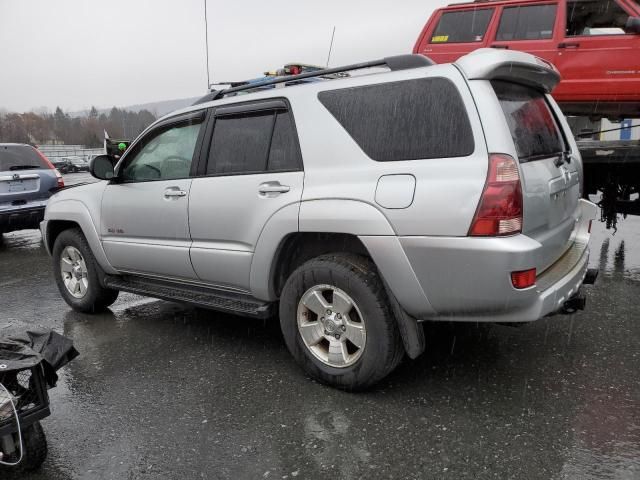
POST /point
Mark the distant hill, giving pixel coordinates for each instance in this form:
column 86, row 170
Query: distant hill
column 163, row 107
column 157, row 108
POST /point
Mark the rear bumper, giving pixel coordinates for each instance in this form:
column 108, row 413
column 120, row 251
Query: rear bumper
column 20, row 218
column 468, row 279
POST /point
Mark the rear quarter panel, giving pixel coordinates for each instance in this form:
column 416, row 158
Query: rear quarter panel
column 446, row 191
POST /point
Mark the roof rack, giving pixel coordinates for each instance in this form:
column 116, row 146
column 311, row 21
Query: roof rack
column 397, row 62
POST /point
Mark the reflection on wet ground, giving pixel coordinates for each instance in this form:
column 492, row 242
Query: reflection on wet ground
column 166, row 391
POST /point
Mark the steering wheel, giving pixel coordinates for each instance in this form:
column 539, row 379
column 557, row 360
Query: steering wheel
column 176, row 157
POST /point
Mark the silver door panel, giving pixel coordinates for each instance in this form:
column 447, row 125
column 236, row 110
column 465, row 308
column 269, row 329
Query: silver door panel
column 148, row 215
column 169, row 260
column 227, row 215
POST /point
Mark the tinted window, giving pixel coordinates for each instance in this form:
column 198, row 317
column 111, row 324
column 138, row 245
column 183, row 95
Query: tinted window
column 527, row 23
column 533, row 127
column 165, row 154
column 407, row 120
column 20, row 157
column 461, row 27
column 284, row 148
column 240, row 143
column 595, row 17
column 253, row 142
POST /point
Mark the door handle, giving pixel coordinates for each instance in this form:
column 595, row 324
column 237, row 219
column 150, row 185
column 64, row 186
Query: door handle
column 504, row 47
column 168, row 193
column 568, row 44
column 273, row 187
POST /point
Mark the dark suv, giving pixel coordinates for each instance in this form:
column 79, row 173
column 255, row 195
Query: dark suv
column 27, row 180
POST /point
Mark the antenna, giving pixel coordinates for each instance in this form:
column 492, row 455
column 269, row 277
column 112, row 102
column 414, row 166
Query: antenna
column 331, row 45
column 206, row 41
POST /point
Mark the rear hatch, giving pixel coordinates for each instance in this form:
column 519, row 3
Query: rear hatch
column 24, row 176
column 550, row 174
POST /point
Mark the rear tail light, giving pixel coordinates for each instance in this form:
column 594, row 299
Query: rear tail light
column 524, row 278
column 60, row 179
column 50, row 165
column 500, row 208
column 589, row 229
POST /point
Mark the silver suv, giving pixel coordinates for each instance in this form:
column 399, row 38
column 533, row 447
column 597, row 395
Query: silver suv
column 353, row 208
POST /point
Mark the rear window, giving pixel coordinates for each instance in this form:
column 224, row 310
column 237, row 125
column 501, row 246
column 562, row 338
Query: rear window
column 533, row 127
column 20, row 157
column 407, row 120
column 462, row 27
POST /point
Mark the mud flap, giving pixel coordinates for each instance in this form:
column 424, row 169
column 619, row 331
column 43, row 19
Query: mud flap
column 411, row 331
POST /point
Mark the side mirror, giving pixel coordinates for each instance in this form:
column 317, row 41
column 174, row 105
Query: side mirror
column 633, row 25
column 102, row 167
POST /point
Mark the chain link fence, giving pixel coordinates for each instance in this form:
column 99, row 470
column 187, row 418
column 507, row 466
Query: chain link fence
column 54, row 152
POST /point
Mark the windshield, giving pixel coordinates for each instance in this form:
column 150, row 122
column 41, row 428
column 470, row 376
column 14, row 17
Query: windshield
column 533, row 127
column 20, row 157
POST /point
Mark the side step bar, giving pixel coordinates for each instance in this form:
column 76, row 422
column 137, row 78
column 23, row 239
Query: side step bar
column 221, row 300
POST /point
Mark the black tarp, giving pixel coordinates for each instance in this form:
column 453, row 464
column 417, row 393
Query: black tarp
column 22, row 350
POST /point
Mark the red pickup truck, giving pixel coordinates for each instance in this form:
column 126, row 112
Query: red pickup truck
column 595, row 44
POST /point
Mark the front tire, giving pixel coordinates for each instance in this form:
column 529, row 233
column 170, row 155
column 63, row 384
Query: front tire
column 77, row 274
column 337, row 321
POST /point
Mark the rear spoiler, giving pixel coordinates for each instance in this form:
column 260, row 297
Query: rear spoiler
column 514, row 66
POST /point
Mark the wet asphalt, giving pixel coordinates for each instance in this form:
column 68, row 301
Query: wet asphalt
column 166, row 391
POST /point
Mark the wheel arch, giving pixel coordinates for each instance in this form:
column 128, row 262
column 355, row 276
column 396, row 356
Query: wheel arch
column 323, row 226
column 66, row 214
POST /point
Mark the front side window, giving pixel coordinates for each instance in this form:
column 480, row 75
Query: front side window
column 253, row 142
column 406, row 120
column 462, row 27
column 533, row 127
column 595, row 17
column 165, row 155
column 534, row 22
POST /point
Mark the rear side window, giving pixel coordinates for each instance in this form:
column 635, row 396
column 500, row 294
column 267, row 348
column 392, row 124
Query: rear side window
column 462, row 27
column 20, row 157
column 533, row 127
column 407, row 120
column 595, row 17
column 283, row 154
column 527, row 23
column 254, row 142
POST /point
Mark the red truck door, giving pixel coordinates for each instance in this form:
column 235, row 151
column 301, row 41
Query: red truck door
column 533, row 28
column 598, row 58
column 453, row 33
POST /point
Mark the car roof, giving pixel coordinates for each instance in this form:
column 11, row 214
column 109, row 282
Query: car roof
column 289, row 91
column 480, row 64
column 490, row 3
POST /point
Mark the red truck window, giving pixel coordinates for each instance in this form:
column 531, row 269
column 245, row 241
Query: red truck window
column 463, row 26
column 595, row 17
column 534, row 22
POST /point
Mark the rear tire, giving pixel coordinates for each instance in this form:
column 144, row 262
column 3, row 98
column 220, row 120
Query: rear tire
column 35, row 450
column 348, row 284
column 77, row 274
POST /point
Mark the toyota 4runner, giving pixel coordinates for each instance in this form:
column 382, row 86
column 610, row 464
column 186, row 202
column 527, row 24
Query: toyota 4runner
column 353, row 208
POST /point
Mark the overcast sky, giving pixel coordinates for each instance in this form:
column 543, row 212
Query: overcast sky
column 78, row 53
